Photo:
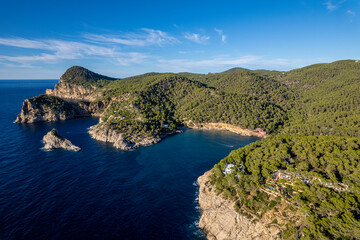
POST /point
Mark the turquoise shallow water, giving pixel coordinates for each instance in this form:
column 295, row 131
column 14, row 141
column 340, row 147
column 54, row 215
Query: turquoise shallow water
column 100, row 192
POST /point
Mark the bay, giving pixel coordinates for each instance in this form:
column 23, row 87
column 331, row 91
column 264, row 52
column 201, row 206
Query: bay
column 100, row 192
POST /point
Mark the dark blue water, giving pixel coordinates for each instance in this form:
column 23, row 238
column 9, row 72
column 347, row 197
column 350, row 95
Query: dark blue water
column 100, row 192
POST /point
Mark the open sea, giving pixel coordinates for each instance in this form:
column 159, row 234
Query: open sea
column 100, row 192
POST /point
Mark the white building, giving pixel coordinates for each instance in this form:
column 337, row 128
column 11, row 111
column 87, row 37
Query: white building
column 229, row 168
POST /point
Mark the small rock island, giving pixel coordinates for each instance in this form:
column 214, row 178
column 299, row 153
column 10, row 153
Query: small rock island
column 53, row 140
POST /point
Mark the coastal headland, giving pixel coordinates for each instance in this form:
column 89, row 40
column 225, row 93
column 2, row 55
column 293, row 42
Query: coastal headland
column 300, row 181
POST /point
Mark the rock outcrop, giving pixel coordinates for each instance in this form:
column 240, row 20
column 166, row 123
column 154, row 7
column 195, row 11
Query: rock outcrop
column 72, row 91
column 48, row 108
column 51, row 108
column 53, row 140
column 95, row 108
column 232, row 128
column 220, row 221
column 107, row 133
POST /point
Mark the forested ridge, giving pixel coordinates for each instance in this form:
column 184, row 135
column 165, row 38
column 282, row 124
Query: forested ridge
column 329, row 99
column 155, row 99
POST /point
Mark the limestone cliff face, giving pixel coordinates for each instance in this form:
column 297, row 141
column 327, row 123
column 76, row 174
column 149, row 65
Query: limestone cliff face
column 94, row 108
column 220, row 221
column 48, row 109
column 51, row 108
column 107, row 133
column 53, row 140
column 72, row 91
column 232, row 128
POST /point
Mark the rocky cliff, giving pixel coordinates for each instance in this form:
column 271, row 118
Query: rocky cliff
column 220, row 221
column 107, row 133
column 53, row 140
column 48, row 108
column 51, row 108
column 73, row 91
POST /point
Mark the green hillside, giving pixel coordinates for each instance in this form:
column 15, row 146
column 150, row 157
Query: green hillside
column 317, row 163
column 157, row 99
column 321, row 180
column 328, row 101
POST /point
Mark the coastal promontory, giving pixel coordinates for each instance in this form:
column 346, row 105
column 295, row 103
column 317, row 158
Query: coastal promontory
column 142, row 110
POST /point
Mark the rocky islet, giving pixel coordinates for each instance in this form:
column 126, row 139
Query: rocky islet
column 53, row 140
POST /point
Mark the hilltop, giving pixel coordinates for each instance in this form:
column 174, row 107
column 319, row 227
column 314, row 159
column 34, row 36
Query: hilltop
column 82, row 76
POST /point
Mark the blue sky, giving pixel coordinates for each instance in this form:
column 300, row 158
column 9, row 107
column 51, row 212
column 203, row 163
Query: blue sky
column 41, row 39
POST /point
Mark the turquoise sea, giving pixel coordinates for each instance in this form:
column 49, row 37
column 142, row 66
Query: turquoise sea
column 100, row 192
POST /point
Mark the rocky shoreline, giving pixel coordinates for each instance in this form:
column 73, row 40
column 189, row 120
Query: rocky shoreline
column 34, row 110
column 220, row 221
column 69, row 101
column 105, row 133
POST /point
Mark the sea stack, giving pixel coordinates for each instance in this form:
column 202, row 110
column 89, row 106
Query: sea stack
column 53, row 140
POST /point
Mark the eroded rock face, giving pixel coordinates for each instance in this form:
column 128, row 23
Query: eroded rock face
column 51, row 108
column 106, row 133
column 220, row 221
column 47, row 108
column 53, row 140
column 95, row 108
column 72, row 91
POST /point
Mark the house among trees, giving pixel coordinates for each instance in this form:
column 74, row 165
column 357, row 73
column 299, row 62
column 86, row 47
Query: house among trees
column 229, row 168
column 278, row 175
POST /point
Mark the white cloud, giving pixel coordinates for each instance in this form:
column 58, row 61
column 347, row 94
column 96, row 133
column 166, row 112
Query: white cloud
column 100, row 46
column 23, row 43
column 332, row 5
column 145, row 38
column 195, row 37
column 351, row 13
column 57, row 50
column 220, row 32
